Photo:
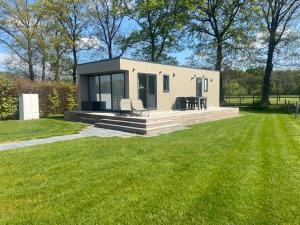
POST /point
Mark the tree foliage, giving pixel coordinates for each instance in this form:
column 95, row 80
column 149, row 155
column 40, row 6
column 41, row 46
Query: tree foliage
column 47, row 38
column 108, row 17
column 219, row 30
column 19, row 22
column 8, row 106
column 160, row 25
column 54, row 101
column 277, row 16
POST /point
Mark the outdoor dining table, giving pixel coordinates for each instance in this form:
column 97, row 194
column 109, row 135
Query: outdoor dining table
column 192, row 101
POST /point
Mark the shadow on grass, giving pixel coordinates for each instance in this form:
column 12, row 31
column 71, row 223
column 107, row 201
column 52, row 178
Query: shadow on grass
column 54, row 117
column 267, row 110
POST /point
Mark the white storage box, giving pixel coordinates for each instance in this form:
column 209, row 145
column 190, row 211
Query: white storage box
column 29, row 106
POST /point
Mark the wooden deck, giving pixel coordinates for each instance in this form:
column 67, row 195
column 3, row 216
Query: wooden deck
column 157, row 122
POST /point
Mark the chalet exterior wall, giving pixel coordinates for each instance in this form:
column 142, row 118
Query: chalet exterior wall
column 182, row 80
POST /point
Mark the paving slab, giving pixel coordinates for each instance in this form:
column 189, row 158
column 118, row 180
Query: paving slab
column 88, row 132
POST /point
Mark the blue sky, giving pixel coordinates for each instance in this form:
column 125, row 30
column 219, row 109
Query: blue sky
column 4, row 53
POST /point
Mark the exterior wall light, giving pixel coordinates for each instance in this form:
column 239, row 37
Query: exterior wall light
column 174, row 74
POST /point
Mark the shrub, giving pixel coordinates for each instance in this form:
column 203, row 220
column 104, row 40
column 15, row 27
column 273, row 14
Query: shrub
column 71, row 102
column 8, row 103
column 17, row 85
column 54, row 101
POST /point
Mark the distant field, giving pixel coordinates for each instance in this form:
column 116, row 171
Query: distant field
column 247, row 100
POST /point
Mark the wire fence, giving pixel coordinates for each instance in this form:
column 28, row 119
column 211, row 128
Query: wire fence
column 254, row 99
column 290, row 102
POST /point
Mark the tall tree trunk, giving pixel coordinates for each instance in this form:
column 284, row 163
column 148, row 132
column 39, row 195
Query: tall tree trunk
column 43, row 66
column 109, row 48
column 56, row 68
column 152, row 59
column 218, row 66
column 30, row 66
column 74, row 64
column 30, row 62
column 268, row 72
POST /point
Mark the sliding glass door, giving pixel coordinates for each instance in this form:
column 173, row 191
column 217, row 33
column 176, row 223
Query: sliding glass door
column 94, row 89
column 147, row 90
column 118, row 90
column 107, row 90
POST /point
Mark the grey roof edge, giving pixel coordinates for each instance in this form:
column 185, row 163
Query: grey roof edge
column 145, row 61
column 97, row 61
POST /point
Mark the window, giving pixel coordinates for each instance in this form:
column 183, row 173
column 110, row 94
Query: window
column 205, row 85
column 166, row 83
column 94, row 89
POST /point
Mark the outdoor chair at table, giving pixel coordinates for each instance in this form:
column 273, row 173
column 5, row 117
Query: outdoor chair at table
column 181, row 103
column 203, row 103
column 138, row 108
column 191, row 102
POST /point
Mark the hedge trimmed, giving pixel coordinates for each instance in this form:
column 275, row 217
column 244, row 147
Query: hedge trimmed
column 63, row 99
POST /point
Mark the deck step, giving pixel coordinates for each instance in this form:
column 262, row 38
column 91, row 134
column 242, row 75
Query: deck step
column 138, row 130
column 148, row 124
column 157, row 123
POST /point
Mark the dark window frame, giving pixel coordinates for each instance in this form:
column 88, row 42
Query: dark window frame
column 105, row 74
column 205, row 83
column 166, row 90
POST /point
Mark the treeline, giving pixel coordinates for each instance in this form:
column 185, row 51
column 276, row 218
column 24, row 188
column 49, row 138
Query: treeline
column 249, row 82
column 48, row 37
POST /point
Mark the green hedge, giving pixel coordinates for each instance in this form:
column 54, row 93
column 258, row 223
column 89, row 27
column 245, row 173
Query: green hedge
column 54, row 97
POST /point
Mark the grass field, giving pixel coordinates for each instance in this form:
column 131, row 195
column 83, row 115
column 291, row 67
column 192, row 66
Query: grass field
column 16, row 130
column 237, row 171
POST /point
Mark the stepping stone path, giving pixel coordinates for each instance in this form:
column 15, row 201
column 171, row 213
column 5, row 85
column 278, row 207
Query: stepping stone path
column 88, row 132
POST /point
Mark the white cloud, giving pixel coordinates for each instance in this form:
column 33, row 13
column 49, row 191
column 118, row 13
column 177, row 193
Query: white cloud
column 3, row 58
column 89, row 42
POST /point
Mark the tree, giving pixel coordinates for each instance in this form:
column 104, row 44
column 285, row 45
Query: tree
column 19, row 21
column 43, row 46
column 108, row 17
column 59, row 44
column 222, row 25
column 54, row 101
column 277, row 16
column 72, row 16
column 160, row 24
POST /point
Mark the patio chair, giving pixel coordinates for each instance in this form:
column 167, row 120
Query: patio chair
column 138, row 108
column 125, row 106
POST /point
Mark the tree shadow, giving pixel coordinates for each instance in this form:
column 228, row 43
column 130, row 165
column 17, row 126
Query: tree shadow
column 54, row 117
column 265, row 110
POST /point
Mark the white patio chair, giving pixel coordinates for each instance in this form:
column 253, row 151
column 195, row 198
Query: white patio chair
column 125, row 106
column 138, row 108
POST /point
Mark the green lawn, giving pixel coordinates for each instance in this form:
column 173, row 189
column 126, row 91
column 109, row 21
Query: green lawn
column 238, row 171
column 15, row 130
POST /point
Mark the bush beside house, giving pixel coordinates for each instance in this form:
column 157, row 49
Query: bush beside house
column 54, row 97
